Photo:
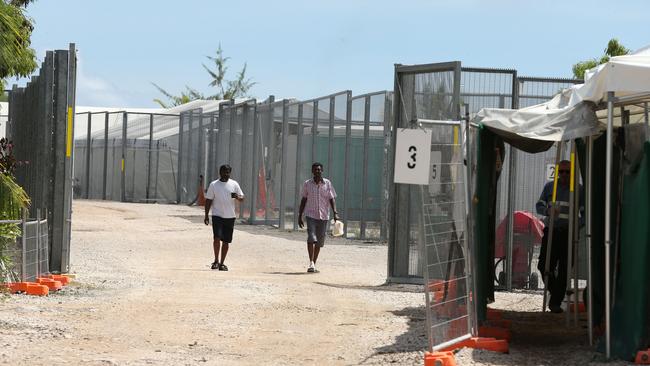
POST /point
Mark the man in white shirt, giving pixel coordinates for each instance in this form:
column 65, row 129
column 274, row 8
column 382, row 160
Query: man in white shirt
column 220, row 199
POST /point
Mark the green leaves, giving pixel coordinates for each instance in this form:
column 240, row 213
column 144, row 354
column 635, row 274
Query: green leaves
column 16, row 56
column 226, row 89
column 614, row 48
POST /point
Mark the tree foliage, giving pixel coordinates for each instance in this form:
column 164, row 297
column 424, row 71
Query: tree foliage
column 614, row 48
column 17, row 58
column 226, row 89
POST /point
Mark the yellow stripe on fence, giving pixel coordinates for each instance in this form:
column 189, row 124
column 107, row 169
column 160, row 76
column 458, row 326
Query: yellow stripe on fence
column 68, row 140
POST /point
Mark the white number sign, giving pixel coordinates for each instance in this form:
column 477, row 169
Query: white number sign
column 434, row 177
column 412, row 156
column 550, row 172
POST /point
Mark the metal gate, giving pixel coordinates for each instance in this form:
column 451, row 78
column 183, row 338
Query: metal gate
column 443, row 238
column 433, row 218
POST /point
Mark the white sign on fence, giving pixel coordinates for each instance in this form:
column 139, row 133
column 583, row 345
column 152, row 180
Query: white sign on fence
column 413, row 156
column 550, row 172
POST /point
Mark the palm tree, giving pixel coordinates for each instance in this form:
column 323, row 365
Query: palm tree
column 226, row 89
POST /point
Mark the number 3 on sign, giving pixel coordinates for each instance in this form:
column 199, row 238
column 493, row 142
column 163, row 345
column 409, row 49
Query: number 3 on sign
column 412, row 157
column 411, row 163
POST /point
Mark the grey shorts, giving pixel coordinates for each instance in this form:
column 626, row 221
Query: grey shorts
column 316, row 230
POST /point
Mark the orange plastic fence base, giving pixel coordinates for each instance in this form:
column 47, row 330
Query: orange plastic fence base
column 643, row 357
column 65, row 280
column 15, row 287
column 494, row 332
column 37, row 290
column 51, row 284
column 488, row 344
column 439, row 359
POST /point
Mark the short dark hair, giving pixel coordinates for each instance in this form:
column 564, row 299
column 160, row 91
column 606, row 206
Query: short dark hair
column 225, row 167
column 316, row 164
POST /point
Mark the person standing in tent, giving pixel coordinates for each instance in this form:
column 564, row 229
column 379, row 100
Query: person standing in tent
column 557, row 274
column 220, row 199
column 318, row 195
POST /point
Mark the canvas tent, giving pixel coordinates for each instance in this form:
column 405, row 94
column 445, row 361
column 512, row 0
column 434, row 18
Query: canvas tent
column 612, row 105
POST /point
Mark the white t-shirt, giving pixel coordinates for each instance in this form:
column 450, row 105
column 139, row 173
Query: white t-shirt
column 223, row 205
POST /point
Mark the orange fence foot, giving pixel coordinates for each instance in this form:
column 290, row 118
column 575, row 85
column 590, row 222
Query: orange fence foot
column 643, row 357
column 439, row 359
column 488, row 344
column 494, row 332
column 51, row 284
column 38, row 290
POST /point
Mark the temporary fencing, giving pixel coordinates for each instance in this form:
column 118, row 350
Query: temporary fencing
column 41, row 122
column 270, row 145
column 449, row 91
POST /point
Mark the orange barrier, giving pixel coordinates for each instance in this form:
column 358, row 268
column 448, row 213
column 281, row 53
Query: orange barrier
column 439, row 359
column 65, row 280
column 51, row 284
column 488, row 344
column 494, row 332
column 38, row 290
column 643, row 357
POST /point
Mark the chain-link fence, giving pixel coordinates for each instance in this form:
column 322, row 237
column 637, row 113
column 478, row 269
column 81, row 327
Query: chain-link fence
column 41, row 126
column 29, row 258
column 449, row 91
column 271, row 145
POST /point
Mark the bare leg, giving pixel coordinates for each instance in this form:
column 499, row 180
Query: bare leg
column 224, row 251
column 316, row 251
column 310, row 251
column 216, row 244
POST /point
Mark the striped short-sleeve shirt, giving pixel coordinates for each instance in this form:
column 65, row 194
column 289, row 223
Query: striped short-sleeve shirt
column 318, row 198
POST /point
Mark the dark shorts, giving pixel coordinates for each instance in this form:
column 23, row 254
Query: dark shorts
column 316, row 230
column 223, row 228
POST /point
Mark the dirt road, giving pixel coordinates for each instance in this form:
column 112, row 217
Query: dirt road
column 145, row 295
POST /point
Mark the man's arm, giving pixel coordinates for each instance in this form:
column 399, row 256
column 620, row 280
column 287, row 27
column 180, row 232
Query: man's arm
column 542, row 205
column 208, row 204
column 303, row 202
column 333, row 204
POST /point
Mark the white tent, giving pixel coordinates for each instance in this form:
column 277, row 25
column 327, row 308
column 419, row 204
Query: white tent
column 584, row 110
column 573, row 112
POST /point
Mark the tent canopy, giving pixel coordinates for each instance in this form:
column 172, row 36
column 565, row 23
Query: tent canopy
column 573, row 112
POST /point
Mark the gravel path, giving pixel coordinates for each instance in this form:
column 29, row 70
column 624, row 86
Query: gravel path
column 145, row 295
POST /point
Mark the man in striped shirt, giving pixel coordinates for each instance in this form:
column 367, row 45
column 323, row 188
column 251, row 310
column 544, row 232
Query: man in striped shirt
column 318, row 195
column 557, row 276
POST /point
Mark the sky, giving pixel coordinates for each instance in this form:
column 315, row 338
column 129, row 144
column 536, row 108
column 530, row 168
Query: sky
column 309, row 48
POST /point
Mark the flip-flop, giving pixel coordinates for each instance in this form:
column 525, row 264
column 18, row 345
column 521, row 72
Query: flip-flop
column 215, row 265
column 223, row 267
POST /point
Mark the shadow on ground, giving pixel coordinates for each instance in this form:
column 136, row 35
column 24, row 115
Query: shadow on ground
column 537, row 339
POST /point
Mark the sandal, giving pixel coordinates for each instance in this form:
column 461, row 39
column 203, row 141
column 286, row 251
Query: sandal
column 223, row 267
column 215, row 265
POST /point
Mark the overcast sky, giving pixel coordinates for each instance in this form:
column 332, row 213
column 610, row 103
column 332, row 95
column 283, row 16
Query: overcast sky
column 304, row 49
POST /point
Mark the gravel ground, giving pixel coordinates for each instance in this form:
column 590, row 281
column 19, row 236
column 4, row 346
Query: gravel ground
column 145, row 295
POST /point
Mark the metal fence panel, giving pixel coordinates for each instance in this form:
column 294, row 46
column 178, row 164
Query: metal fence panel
column 442, row 230
column 41, row 125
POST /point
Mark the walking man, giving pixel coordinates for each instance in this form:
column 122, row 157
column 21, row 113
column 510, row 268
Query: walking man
column 318, row 195
column 220, row 199
column 557, row 276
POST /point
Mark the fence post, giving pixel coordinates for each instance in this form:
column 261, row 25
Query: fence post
column 38, row 242
column 149, row 156
column 104, row 183
column 23, row 274
column 346, row 164
column 255, row 167
column 88, row 147
column 330, row 136
column 366, row 153
column 179, row 159
column 125, row 121
column 299, row 158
